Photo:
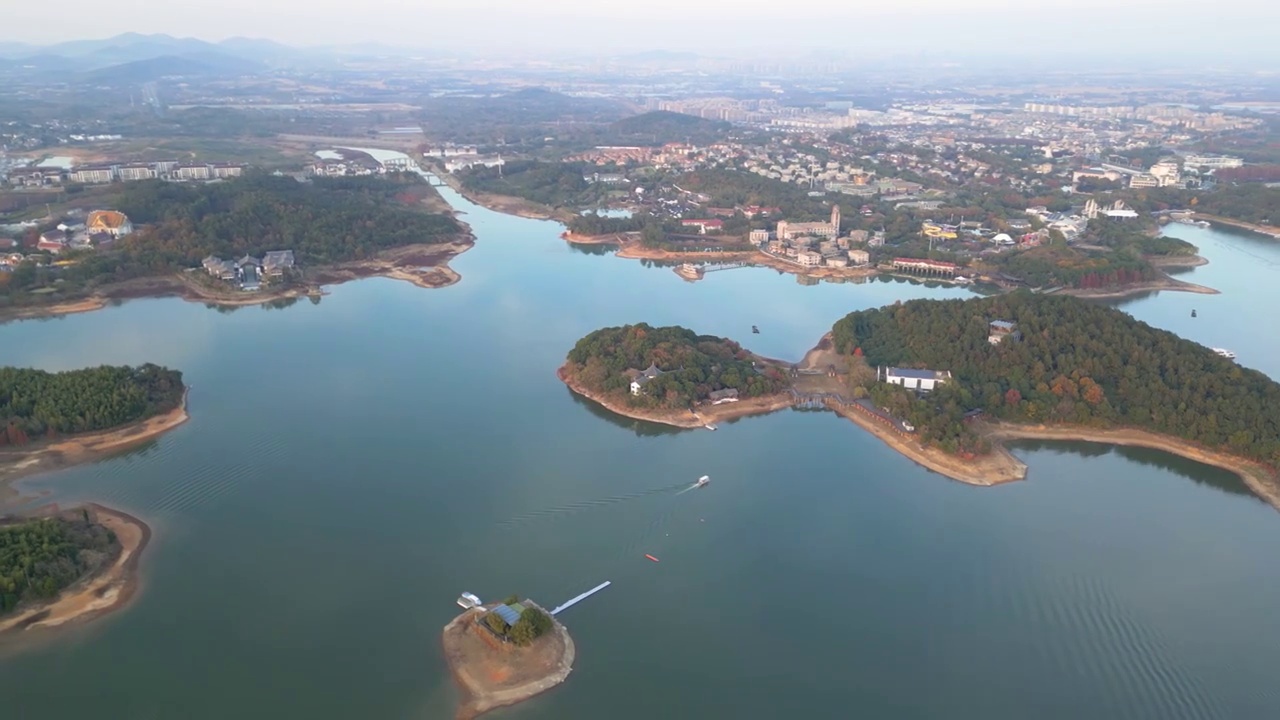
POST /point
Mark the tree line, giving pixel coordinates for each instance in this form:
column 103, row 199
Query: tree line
column 692, row 365
column 38, row 558
column 36, row 403
column 1077, row 363
column 325, row 220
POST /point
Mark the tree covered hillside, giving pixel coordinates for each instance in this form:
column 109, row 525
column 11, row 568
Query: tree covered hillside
column 38, row 558
column 1076, row 363
column 323, row 221
column 693, row 365
column 34, row 403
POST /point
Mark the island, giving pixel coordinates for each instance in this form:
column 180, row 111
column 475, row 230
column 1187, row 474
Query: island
column 674, row 376
column 65, row 567
column 54, row 420
column 244, row 241
column 946, row 382
column 504, row 653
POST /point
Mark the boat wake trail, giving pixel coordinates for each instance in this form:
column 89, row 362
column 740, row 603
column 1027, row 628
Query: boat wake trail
column 570, row 509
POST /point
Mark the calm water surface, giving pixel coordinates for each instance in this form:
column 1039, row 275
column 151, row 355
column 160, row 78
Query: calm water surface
column 352, row 465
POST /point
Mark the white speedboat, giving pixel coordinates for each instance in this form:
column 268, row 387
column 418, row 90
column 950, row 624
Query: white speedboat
column 702, row 481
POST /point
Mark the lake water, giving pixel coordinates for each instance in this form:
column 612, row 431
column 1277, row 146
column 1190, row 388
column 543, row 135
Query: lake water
column 352, row 465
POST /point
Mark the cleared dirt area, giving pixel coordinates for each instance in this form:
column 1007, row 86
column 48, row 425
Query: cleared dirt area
column 492, row 674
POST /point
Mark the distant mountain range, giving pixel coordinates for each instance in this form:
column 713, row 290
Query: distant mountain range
column 134, row 57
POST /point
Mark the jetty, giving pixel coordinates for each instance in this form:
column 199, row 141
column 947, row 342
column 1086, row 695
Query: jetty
column 575, row 600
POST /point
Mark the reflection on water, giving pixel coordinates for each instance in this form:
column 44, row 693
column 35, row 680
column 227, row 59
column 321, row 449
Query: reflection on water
column 591, row 249
column 1202, row 474
column 641, row 428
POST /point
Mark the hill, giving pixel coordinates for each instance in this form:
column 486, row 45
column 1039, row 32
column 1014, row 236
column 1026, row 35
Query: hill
column 35, row 403
column 661, row 127
column 205, row 63
column 1077, row 363
column 689, row 366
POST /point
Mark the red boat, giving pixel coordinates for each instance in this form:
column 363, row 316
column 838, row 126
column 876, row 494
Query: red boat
column 652, row 557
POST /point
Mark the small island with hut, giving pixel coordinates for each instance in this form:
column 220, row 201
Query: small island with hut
column 504, row 653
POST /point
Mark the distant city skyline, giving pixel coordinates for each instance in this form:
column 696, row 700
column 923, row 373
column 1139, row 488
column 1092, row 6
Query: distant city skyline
column 1235, row 30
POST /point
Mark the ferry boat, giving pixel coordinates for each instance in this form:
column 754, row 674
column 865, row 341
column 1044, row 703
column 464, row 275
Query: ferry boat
column 1223, row 352
column 702, row 481
column 467, row 601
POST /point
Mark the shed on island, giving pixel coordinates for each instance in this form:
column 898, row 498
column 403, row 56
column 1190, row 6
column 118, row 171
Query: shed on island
column 998, row 330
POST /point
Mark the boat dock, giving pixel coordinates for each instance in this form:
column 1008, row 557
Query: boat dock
column 574, row 601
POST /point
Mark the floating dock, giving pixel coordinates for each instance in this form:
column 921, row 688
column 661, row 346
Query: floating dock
column 570, row 603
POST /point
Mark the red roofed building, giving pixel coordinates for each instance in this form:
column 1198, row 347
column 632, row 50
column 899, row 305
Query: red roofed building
column 925, row 267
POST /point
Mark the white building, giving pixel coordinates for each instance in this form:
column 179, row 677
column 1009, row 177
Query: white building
column 1212, row 162
column 921, row 380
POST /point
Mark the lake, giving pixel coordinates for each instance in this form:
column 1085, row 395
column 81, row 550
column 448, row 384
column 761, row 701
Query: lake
column 353, row 464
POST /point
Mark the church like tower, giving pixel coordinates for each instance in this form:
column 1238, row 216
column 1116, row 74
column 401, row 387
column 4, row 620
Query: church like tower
column 835, row 220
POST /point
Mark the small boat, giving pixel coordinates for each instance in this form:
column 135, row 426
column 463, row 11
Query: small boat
column 467, row 601
column 755, row 329
column 652, row 557
column 705, row 479
column 1193, row 313
column 1223, row 352
column 709, row 426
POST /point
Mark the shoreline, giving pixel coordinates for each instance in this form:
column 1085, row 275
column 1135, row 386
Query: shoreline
column 74, row 450
column 97, row 595
column 631, row 249
column 505, row 204
column 689, row 420
column 425, row 265
column 1166, row 284
column 1264, row 482
column 474, row 698
column 1270, row 231
column 998, row 467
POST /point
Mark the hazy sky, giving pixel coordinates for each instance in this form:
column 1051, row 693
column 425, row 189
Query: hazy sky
column 768, row 27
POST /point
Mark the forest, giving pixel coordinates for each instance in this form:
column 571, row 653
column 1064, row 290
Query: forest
column 326, row 220
column 731, row 188
column 36, row 404
column 550, row 183
column 1061, row 265
column 1076, row 363
column 692, row 365
column 38, row 558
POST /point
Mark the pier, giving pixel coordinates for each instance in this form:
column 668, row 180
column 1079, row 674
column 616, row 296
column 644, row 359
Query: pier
column 574, row 601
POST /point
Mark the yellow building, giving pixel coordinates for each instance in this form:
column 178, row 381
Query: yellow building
column 109, row 221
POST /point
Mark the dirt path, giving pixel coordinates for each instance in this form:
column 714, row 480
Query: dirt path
column 96, row 596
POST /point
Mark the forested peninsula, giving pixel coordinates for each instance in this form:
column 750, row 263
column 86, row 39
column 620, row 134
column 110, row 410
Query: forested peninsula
column 1020, row 365
column 52, row 420
column 325, row 222
column 673, row 375
column 66, row 567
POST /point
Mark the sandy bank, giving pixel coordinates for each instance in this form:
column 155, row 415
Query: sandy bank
column 704, row 415
column 490, row 674
column 93, row 597
column 425, row 265
column 1261, row 480
column 1269, row 230
column 995, row 468
column 1165, row 283
column 77, row 449
column 505, row 203
column 1178, row 261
